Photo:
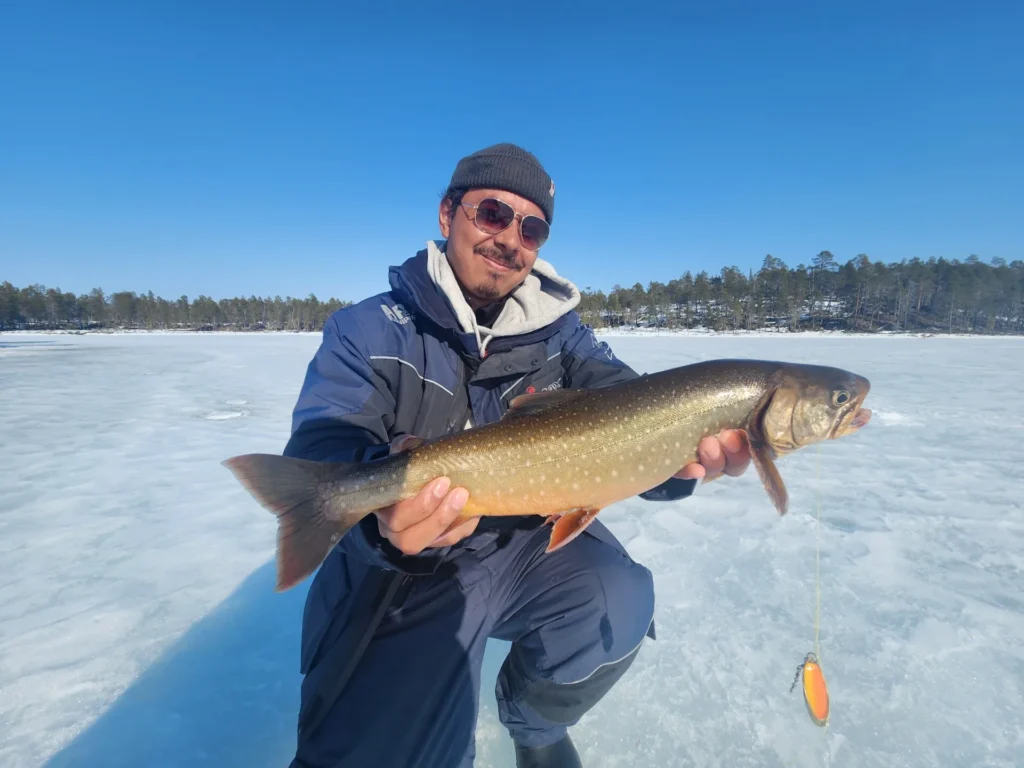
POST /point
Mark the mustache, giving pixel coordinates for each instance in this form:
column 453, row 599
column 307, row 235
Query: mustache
column 508, row 259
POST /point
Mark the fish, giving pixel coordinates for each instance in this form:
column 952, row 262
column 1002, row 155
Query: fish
column 565, row 454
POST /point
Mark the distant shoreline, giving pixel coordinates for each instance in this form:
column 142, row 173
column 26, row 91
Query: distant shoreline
column 616, row 332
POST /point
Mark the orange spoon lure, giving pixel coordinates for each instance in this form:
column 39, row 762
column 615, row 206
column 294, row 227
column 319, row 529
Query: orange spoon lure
column 815, row 689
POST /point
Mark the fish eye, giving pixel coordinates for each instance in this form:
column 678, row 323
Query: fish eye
column 841, row 397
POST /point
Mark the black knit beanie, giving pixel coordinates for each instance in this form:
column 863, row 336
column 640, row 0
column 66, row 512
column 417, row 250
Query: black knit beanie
column 507, row 167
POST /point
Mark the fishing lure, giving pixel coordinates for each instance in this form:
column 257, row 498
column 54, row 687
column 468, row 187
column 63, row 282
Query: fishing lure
column 815, row 689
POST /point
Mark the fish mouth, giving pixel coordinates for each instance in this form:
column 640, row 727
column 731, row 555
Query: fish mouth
column 854, row 421
column 857, row 417
column 860, row 419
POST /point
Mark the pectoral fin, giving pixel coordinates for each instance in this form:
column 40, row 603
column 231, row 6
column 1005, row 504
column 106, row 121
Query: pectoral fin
column 536, row 402
column 406, row 443
column 769, row 474
column 570, row 525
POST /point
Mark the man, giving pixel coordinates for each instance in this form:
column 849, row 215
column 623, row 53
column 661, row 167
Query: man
column 398, row 615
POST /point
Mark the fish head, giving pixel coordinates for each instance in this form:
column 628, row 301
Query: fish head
column 813, row 403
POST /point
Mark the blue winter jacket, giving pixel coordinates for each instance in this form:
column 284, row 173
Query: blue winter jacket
column 415, row 361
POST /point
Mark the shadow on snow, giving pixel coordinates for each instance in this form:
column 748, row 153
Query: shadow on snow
column 226, row 693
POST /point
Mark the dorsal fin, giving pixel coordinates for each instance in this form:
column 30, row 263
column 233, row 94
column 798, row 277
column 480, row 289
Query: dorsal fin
column 535, row 402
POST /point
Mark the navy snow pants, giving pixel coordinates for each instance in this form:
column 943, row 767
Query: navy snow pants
column 575, row 619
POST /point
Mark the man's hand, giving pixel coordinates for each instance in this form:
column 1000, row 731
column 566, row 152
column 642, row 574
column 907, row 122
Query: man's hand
column 726, row 453
column 428, row 519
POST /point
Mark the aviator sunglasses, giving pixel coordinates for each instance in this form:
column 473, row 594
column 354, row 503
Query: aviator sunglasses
column 493, row 216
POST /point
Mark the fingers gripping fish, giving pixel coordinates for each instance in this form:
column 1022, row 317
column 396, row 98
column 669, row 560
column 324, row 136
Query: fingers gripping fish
column 565, row 454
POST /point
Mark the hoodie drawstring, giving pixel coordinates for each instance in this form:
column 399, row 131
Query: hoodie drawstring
column 482, row 344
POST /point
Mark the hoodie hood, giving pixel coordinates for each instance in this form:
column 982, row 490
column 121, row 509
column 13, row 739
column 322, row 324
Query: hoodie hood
column 541, row 299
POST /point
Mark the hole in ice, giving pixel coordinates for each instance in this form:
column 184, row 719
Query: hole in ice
column 236, row 402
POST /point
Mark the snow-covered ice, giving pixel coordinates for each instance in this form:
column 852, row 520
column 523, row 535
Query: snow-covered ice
column 139, row 626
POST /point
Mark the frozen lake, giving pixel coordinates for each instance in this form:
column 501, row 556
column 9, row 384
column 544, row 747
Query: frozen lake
column 139, row 627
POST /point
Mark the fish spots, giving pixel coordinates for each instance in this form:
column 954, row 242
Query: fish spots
column 615, row 473
column 641, row 468
column 575, row 486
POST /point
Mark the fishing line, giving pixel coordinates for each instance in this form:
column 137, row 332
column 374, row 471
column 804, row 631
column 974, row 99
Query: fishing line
column 817, row 596
column 815, row 689
column 817, row 559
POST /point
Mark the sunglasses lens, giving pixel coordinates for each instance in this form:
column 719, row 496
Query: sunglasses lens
column 493, row 216
column 535, row 232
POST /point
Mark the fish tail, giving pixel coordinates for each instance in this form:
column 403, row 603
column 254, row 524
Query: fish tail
column 316, row 503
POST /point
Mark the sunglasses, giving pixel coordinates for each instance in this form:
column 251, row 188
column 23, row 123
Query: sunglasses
column 493, row 216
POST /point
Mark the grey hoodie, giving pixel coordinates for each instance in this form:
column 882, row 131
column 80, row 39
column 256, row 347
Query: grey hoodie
column 542, row 298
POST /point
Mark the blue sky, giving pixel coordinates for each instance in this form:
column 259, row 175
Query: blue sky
column 280, row 149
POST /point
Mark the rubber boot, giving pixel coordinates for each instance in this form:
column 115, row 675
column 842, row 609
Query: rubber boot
column 561, row 754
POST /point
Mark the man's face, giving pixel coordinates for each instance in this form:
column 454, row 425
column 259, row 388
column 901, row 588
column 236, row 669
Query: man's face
column 488, row 267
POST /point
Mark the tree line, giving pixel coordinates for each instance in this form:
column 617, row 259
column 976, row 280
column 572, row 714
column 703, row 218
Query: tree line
column 41, row 308
column 937, row 295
